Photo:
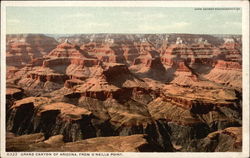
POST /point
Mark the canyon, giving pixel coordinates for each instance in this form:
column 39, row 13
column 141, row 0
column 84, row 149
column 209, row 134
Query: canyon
column 124, row 93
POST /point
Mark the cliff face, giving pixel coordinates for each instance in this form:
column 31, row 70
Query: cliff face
column 25, row 50
column 140, row 92
column 228, row 73
column 194, row 54
column 228, row 65
column 77, row 123
column 50, row 119
column 106, row 52
column 190, row 115
column 40, row 43
column 20, row 54
column 130, row 52
column 229, row 139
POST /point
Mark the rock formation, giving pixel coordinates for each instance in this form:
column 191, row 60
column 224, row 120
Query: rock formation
column 40, row 43
column 141, row 92
column 229, row 139
column 37, row 142
column 228, row 73
column 20, row 54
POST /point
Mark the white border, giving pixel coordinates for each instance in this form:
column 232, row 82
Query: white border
column 245, row 38
column 129, row 3
column 245, row 75
column 3, row 76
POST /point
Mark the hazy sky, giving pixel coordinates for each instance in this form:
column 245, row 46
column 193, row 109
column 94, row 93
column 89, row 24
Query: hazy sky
column 66, row 20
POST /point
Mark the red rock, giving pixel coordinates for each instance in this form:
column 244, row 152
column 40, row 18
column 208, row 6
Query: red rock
column 107, row 84
column 67, row 49
column 89, row 47
column 145, row 46
column 104, row 52
column 13, row 93
column 19, row 54
column 67, row 111
column 11, row 70
column 34, row 101
column 182, row 67
column 126, row 84
column 72, row 82
column 227, row 65
column 231, row 49
column 231, row 133
column 130, row 53
column 41, row 44
column 176, row 51
column 191, row 54
column 190, row 99
column 227, row 73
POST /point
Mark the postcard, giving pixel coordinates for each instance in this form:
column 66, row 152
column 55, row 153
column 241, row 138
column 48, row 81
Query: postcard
column 119, row 79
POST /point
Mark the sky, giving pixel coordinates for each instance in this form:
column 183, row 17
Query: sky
column 73, row 20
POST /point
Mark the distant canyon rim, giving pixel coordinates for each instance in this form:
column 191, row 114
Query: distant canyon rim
column 124, row 93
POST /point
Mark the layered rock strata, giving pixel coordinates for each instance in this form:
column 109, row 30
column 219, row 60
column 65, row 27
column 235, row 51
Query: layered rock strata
column 142, row 92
